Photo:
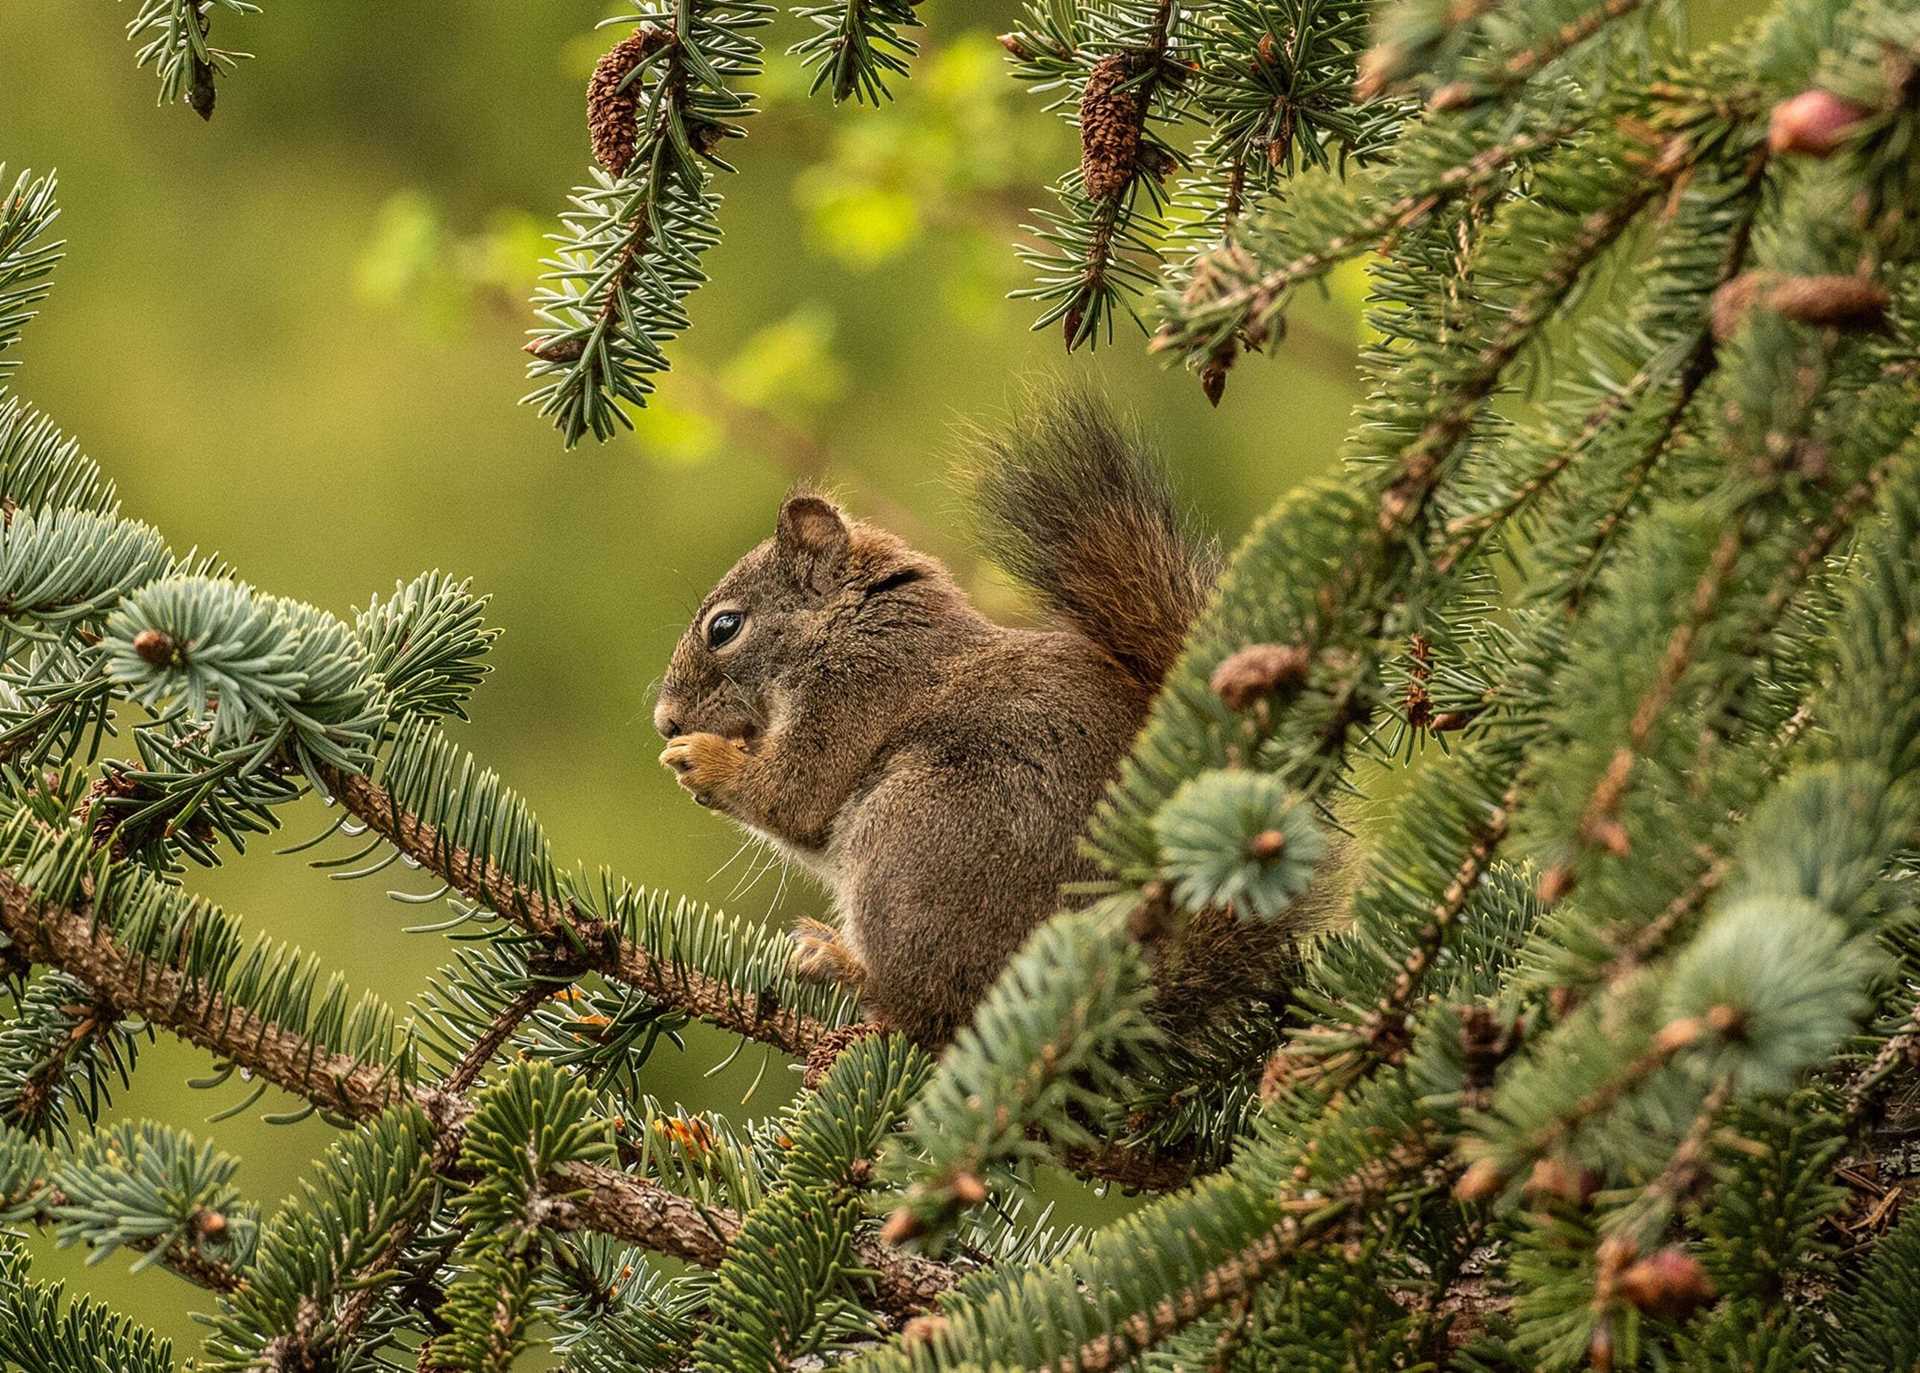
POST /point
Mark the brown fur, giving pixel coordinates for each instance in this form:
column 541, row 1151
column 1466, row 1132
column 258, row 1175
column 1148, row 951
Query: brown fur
column 933, row 769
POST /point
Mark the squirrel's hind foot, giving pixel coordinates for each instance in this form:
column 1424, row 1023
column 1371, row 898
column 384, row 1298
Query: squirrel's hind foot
column 820, row 954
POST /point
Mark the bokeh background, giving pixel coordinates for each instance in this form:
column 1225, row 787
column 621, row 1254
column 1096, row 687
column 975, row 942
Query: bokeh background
column 292, row 336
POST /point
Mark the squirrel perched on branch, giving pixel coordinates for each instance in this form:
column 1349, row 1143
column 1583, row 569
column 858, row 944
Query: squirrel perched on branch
column 840, row 696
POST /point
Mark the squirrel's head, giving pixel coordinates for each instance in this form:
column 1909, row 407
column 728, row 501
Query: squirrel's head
column 825, row 597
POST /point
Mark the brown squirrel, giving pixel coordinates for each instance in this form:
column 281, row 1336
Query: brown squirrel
column 839, row 695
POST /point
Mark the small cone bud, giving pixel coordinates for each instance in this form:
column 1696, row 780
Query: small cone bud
column 1726, row 1021
column 1555, row 883
column 1267, row 845
column 1610, row 835
column 1213, row 379
column 1377, row 68
column 1812, row 124
column 555, row 349
column 154, row 646
column 1011, row 42
column 967, row 1189
column 922, row 1329
column 1481, row 1182
column 1258, row 671
column 1733, row 302
column 1671, row 1283
column 1148, row 920
column 1676, row 1035
column 1552, row 1177
column 1070, row 326
column 901, row 1226
column 1840, row 302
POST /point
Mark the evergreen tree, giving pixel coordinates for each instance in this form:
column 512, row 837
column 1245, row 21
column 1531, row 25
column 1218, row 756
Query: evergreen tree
column 1609, row 1061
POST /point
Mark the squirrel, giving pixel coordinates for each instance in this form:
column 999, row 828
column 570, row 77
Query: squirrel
column 839, row 695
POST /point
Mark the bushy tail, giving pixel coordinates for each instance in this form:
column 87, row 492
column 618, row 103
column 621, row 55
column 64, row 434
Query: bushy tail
column 1073, row 505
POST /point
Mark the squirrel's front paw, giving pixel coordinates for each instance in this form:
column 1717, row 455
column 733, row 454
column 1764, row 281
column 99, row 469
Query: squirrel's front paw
column 820, row 954
column 708, row 764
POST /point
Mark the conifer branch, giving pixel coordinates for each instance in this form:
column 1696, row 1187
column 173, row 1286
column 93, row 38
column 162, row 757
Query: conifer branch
column 1231, row 294
column 1419, row 466
column 1880, row 1075
column 27, row 210
column 613, row 1203
column 175, row 38
column 1306, row 1222
column 569, row 931
column 660, row 105
column 1513, row 69
column 1384, row 1029
column 77, row 943
column 857, row 45
column 47, row 1206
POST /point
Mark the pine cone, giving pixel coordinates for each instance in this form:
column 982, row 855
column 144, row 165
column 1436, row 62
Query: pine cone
column 1110, row 119
column 612, row 102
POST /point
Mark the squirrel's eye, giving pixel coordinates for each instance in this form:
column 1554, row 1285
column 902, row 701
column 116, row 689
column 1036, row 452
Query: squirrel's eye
column 723, row 627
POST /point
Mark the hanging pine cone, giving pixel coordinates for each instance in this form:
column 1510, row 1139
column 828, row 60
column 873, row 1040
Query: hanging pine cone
column 613, row 101
column 1110, row 119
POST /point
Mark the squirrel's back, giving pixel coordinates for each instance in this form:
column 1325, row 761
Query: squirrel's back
column 1073, row 504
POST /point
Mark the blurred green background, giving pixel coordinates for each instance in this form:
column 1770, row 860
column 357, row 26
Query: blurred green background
column 292, row 336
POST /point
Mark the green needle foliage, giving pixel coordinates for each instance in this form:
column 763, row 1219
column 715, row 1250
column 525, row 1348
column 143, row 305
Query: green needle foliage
column 1570, row 732
column 175, row 38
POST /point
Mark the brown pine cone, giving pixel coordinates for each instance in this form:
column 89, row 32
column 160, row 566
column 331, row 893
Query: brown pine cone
column 1110, row 119
column 613, row 102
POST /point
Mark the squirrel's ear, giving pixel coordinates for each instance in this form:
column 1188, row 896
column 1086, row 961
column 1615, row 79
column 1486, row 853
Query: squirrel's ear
column 812, row 538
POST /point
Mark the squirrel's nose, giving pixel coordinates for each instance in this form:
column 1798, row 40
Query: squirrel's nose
column 664, row 721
